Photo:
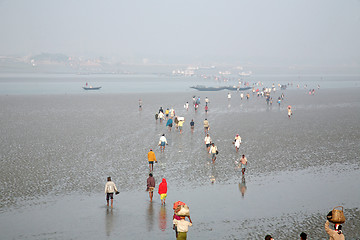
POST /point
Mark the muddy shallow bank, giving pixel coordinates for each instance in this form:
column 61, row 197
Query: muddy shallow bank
column 57, row 151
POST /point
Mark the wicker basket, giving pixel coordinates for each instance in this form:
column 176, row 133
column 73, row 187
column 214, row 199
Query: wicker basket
column 338, row 216
column 183, row 211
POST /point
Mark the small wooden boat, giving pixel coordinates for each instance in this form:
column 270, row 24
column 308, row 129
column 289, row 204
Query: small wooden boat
column 91, row 88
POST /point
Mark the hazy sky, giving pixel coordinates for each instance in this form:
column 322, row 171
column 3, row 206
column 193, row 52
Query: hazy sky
column 264, row 31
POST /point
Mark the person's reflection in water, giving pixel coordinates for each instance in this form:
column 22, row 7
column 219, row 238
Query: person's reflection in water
column 213, row 174
column 150, row 217
column 242, row 186
column 109, row 221
column 162, row 218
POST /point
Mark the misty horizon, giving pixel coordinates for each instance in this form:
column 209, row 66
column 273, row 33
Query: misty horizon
column 253, row 33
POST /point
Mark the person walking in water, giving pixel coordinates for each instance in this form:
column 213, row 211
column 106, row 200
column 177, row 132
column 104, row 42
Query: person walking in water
column 151, row 159
column 163, row 191
column 192, row 125
column 229, row 96
column 140, row 104
column 214, row 152
column 289, row 111
column 335, row 234
column 237, row 142
column 243, row 163
column 207, row 141
column 206, row 108
column 176, row 121
column 186, row 106
column 182, row 227
column 206, row 126
column 150, row 186
column 181, row 124
column 169, row 124
column 206, row 100
column 110, row 188
column 161, row 116
column 162, row 142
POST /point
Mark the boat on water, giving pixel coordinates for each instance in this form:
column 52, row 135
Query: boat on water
column 203, row 88
column 91, row 88
column 231, row 88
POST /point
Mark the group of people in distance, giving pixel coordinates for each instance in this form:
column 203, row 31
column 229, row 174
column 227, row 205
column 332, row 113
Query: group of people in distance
column 180, row 225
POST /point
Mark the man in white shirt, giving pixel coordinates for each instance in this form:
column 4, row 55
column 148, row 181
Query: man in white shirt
column 162, row 142
column 207, row 142
column 110, row 188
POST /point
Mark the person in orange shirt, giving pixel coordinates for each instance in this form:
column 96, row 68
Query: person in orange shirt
column 151, row 159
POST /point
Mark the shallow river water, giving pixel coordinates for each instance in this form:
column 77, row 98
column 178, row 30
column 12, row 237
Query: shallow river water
column 57, row 150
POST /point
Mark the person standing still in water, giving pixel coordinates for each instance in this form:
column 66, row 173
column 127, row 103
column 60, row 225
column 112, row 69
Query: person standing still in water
column 151, row 159
column 110, row 188
column 150, row 186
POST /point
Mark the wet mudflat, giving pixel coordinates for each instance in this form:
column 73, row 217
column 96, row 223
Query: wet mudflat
column 57, row 151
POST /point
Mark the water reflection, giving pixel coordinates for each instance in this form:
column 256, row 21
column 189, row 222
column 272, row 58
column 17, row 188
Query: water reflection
column 150, row 217
column 242, row 186
column 109, row 221
column 213, row 174
column 162, row 218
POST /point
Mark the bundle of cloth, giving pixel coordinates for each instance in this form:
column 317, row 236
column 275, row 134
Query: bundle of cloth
column 181, row 209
